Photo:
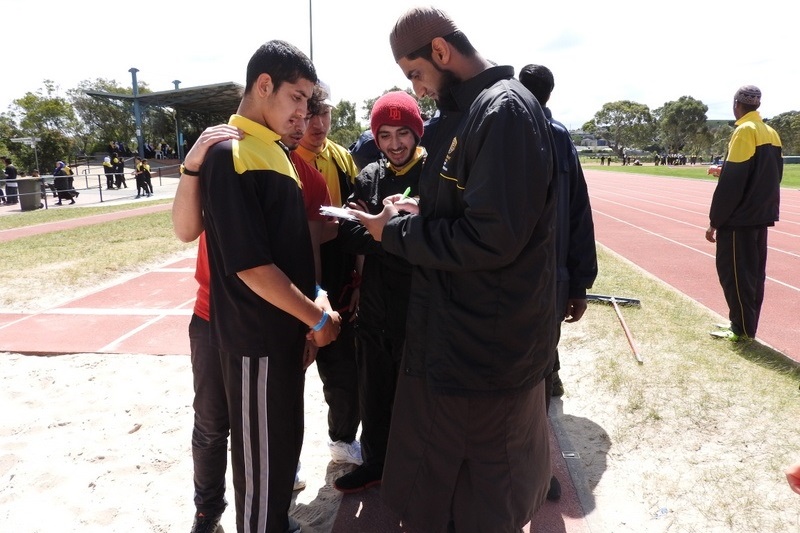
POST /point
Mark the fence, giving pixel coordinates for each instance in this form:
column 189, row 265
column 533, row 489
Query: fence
column 34, row 192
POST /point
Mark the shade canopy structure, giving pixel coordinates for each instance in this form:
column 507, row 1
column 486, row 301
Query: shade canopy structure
column 215, row 98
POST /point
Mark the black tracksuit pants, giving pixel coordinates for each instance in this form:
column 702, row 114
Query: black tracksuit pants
column 378, row 357
column 742, row 270
column 260, row 400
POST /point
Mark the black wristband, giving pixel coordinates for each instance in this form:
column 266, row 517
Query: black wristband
column 188, row 172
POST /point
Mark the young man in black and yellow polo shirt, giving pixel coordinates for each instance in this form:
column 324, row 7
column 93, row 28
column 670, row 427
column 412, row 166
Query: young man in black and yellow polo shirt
column 263, row 295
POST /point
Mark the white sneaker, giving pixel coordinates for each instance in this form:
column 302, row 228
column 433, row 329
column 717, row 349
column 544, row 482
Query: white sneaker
column 299, row 482
column 342, row 452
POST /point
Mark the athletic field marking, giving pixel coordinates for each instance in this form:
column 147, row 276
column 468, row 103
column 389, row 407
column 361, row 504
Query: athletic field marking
column 673, row 241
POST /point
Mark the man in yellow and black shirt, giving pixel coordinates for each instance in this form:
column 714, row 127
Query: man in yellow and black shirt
column 745, row 203
column 263, row 298
column 340, row 275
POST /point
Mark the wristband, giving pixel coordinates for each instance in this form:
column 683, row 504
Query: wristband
column 188, row 172
column 321, row 322
column 320, row 292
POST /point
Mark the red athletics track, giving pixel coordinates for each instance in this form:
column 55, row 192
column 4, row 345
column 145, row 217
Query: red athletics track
column 659, row 224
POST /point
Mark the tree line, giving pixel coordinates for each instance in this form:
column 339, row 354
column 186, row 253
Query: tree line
column 680, row 126
column 75, row 124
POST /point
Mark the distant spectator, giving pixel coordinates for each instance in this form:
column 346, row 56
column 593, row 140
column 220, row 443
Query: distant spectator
column 63, row 183
column 108, row 168
column 119, row 171
column 10, row 175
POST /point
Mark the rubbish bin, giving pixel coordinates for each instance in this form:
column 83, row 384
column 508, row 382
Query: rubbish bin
column 30, row 193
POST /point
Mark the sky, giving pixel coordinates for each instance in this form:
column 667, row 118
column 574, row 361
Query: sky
column 599, row 52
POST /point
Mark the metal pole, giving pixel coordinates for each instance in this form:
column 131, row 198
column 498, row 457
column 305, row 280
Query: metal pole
column 137, row 114
column 35, row 153
column 178, row 133
column 310, row 33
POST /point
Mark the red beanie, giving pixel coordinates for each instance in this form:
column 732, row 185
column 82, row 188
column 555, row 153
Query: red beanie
column 397, row 108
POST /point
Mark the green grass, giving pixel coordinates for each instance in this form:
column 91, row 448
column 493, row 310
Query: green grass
column 42, row 216
column 791, row 173
column 704, row 426
column 52, row 267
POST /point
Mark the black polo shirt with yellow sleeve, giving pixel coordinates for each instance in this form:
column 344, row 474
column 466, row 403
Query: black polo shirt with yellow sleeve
column 254, row 215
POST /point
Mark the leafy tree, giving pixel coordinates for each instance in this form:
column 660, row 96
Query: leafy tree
column 50, row 118
column 8, row 130
column 682, row 124
column 193, row 124
column 106, row 120
column 625, row 124
column 427, row 106
column 788, row 127
column 720, row 136
column 344, row 127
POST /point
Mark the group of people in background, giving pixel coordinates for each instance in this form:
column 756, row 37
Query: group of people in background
column 63, row 187
column 144, row 185
column 161, row 150
column 120, row 148
column 114, row 169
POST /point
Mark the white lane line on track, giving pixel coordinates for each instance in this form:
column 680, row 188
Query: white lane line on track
column 673, row 241
column 116, row 312
column 701, row 228
column 169, row 312
column 113, row 344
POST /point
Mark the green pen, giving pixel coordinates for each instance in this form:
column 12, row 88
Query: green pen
column 406, row 193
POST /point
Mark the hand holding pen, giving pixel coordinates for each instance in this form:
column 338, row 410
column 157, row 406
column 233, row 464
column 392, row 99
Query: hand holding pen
column 391, row 207
column 404, row 202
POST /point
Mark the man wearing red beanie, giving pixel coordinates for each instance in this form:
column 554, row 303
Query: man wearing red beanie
column 396, row 125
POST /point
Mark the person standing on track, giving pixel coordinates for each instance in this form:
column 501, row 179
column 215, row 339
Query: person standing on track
column 745, row 203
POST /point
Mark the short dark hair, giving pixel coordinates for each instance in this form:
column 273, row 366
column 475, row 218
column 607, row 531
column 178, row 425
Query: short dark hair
column 459, row 41
column 316, row 104
column 539, row 80
column 7, row 160
column 747, row 108
column 284, row 62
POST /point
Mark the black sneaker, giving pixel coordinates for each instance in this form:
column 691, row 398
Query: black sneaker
column 362, row 478
column 206, row 524
column 554, row 494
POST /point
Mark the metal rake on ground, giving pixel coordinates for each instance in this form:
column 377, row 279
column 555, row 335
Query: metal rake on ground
column 616, row 301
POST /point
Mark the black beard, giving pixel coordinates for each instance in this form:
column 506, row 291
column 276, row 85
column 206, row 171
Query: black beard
column 445, row 99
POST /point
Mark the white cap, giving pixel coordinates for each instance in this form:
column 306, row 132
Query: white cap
column 328, row 96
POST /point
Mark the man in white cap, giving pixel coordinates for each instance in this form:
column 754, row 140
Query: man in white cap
column 745, row 203
column 468, row 444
